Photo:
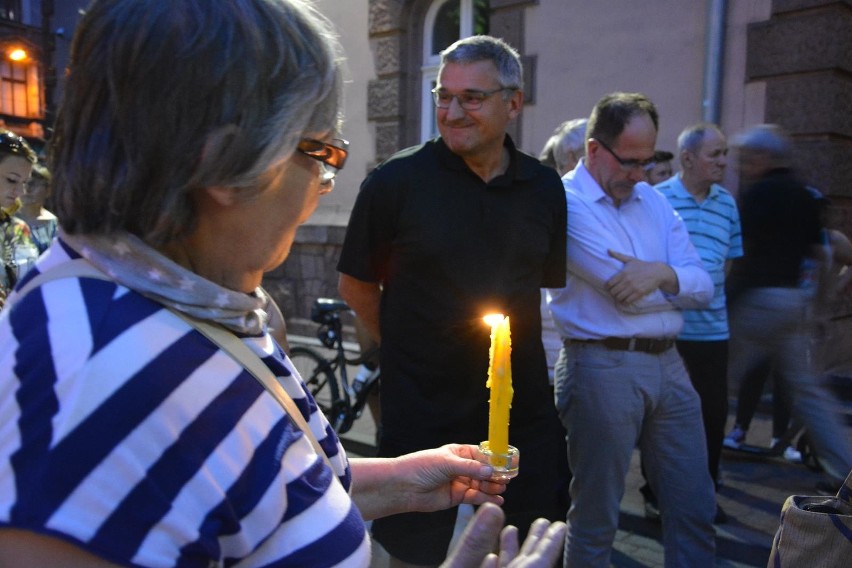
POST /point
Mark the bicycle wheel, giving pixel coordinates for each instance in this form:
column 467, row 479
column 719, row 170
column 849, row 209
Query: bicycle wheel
column 321, row 383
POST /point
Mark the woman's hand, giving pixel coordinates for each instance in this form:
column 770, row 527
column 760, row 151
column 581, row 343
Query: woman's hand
column 448, row 476
column 425, row 481
column 477, row 545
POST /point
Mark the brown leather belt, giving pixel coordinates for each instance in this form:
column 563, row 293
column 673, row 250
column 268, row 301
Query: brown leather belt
column 642, row 344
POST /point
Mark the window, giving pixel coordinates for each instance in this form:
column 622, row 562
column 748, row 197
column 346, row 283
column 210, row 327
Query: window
column 446, row 21
column 10, row 10
column 20, row 90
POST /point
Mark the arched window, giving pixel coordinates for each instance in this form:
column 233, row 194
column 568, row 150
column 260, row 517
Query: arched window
column 446, row 21
column 20, row 82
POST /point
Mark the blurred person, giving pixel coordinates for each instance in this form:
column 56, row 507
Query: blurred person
column 441, row 234
column 566, row 146
column 841, row 247
column 562, row 151
column 619, row 380
column 713, row 221
column 814, row 280
column 748, row 396
column 18, row 252
column 131, row 438
column 42, row 223
column 771, row 311
column 661, row 169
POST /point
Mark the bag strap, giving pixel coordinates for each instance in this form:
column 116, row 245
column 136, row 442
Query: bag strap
column 845, row 492
column 249, row 360
column 226, row 340
column 78, row 267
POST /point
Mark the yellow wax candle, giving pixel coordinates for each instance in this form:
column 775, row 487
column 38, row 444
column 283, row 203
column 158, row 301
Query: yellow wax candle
column 500, row 383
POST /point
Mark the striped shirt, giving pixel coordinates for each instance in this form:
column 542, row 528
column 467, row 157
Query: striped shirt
column 129, row 434
column 714, row 229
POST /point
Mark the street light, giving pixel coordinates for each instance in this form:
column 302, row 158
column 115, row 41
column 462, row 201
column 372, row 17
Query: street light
column 17, row 54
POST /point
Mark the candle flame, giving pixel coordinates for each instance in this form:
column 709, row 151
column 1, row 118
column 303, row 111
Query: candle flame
column 493, row 319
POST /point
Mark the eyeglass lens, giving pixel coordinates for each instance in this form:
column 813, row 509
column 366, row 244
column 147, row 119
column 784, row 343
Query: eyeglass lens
column 332, row 155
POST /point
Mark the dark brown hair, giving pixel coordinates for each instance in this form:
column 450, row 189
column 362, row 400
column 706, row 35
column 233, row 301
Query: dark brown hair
column 612, row 113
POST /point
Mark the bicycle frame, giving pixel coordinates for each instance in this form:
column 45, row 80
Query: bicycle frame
column 341, row 404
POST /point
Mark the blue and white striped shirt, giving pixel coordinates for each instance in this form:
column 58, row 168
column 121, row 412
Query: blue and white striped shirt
column 129, row 434
column 714, row 229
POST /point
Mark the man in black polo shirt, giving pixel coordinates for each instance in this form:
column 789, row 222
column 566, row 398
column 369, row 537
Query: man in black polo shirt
column 442, row 234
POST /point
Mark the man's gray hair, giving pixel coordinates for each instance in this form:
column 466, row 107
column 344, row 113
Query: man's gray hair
column 692, row 137
column 570, row 136
column 506, row 59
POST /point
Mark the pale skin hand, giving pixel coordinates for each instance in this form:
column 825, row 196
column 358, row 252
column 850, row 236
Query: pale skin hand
column 429, row 480
column 639, row 278
column 476, row 548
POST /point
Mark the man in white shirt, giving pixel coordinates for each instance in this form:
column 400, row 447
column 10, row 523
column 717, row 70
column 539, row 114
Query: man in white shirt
column 619, row 380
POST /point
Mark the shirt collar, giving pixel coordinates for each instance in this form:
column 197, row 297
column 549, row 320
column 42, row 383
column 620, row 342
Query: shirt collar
column 681, row 191
column 590, row 188
column 518, row 169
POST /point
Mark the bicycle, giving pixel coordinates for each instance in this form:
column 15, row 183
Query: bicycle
column 327, row 378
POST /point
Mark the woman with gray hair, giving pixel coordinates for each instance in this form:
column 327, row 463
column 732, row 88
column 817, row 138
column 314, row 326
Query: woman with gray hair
column 193, row 139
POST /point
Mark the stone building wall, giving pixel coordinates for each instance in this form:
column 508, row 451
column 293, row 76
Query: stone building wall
column 309, row 273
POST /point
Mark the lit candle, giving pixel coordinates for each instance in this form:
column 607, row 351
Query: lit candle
column 500, row 383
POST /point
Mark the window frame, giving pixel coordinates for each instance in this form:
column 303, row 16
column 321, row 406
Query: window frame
column 430, row 62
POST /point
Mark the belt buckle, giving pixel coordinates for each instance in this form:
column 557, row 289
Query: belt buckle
column 631, row 344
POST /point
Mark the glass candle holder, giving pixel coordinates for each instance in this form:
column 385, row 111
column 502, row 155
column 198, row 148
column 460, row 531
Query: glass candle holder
column 505, row 465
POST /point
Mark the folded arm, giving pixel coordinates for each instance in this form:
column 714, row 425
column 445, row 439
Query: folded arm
column 638, row 278
column 636, row 285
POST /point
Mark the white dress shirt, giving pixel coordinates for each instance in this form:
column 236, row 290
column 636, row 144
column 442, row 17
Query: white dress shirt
column 644, row 226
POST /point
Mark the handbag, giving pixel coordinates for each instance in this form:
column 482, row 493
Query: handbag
column 815, row 531
column 226, row 341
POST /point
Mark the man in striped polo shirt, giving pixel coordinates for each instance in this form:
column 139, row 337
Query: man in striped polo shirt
column 713, row 222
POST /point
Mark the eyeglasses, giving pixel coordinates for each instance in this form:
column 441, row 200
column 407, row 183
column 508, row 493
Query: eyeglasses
column 333, row 156
column 627, row 165
column 468, row 100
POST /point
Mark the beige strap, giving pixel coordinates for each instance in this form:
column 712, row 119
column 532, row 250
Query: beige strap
column 226, row 340
column 72, row 269
column 243, row 355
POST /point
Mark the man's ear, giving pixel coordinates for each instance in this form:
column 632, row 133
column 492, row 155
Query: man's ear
column 516, row 103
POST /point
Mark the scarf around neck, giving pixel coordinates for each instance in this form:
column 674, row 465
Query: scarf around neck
column 127, row 260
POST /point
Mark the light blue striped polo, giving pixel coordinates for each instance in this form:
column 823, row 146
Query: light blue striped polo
column 714, row 229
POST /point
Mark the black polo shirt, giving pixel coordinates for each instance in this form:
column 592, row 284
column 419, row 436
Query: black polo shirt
column 449, row 248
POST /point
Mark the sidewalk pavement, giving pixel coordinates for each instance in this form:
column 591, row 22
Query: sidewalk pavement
column 753, row 490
